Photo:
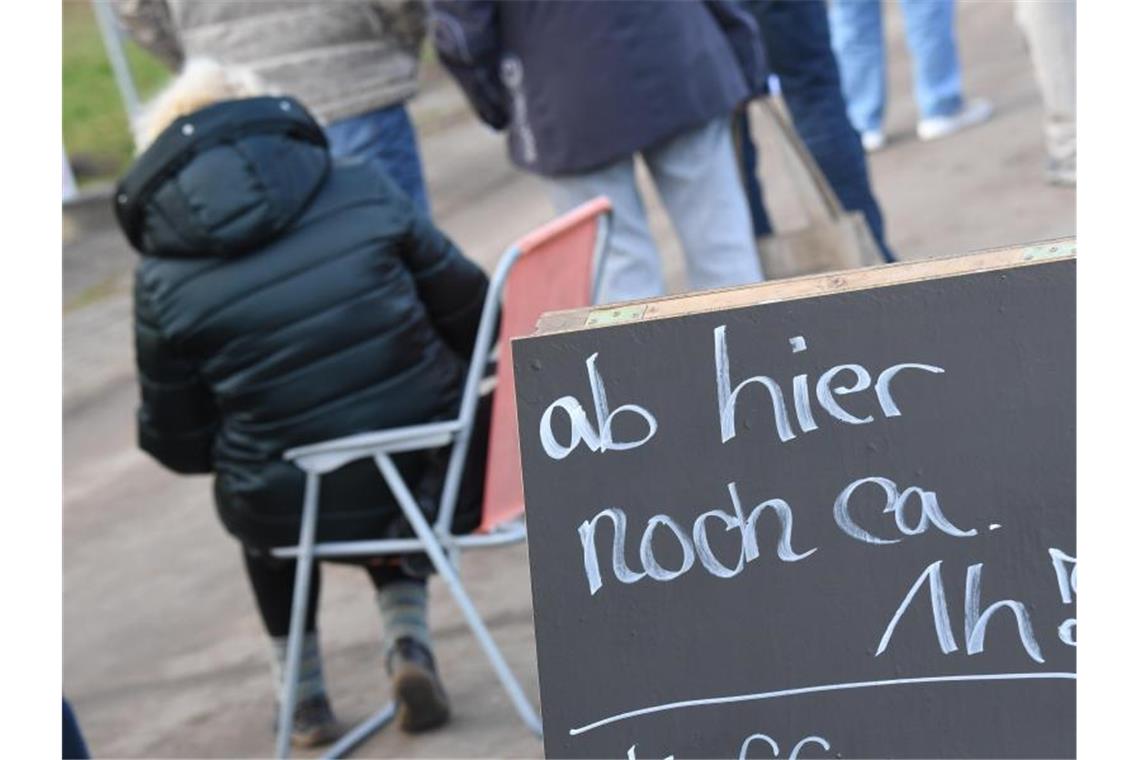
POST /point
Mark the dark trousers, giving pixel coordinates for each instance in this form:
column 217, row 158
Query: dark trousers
column 273, row 581
column 74, row 748
column 797, row 40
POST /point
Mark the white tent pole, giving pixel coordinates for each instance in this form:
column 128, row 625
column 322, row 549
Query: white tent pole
column 69, row 187
column 113, row 42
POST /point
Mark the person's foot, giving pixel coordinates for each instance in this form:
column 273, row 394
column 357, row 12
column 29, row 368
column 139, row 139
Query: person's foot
column 314, row 723
column 873, row 140
column 971, row 113
column 421, row 703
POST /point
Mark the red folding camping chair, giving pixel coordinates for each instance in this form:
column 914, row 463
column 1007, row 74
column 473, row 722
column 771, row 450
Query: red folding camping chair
column 555, row 267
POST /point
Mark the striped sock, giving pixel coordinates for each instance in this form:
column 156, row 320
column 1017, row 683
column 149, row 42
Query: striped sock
column 403, row 612
column 310, row 679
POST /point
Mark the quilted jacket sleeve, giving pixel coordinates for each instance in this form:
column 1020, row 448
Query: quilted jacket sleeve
column 466, row 36
column 177, row 416
column 450, row 285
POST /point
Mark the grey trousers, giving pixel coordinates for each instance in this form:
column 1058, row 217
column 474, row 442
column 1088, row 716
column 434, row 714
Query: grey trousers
column 697, row 177
column 1051, row 31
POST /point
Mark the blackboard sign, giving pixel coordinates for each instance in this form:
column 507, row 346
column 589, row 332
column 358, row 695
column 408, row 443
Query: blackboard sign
column 828, row 518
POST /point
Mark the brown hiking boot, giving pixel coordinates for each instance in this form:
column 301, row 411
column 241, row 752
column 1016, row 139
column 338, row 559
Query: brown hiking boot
column 313, row 723
column 421, row 703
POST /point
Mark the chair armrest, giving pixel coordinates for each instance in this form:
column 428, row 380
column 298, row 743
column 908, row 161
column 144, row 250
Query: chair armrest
column 329, row 455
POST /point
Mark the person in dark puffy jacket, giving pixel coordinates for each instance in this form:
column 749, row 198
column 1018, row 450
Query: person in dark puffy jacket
column 283, row 298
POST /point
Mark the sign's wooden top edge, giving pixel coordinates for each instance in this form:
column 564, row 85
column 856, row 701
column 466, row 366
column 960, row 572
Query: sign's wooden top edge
column 830, row 283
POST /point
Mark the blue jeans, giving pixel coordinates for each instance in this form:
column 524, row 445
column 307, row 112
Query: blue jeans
column 797, row 42
column 857, row 36
column 387, row 138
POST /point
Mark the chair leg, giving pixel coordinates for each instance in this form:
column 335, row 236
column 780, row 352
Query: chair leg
column 361, row 732
column 297, row 615
column 446, row 571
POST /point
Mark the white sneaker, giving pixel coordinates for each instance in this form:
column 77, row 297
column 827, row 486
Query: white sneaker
column 873, row 140
column 970, row 114
column 1063, row 173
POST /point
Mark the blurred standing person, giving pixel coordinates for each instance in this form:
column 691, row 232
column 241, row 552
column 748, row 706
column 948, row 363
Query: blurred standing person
column 583, row 88
column 353, row 64
column 1050, row 28
column 857, row 36
column 798, row 45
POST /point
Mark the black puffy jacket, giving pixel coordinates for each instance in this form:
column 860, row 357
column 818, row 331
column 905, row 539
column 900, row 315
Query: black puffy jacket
column 284, row 299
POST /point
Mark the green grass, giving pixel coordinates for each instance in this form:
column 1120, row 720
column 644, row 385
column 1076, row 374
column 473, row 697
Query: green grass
column 95, row 130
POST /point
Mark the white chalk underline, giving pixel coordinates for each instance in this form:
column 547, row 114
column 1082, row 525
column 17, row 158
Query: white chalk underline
column 813, row 689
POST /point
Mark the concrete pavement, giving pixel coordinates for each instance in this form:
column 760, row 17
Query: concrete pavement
column 163, row 653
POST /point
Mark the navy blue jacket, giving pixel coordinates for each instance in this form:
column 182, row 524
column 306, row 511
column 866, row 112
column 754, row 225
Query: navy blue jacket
column 583, row 84
column 283, row 299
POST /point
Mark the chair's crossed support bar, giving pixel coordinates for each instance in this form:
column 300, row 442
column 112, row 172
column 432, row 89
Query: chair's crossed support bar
column 405, row 545
column 297, row 618
column 362, row 731
column 321, row 458
column 447, row 572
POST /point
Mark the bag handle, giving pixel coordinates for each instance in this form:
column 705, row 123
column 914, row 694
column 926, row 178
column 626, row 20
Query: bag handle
column 811, row 179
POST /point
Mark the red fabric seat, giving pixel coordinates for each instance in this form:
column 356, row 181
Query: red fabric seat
column 554, row 271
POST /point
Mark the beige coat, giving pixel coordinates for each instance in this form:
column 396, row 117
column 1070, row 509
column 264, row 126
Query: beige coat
column 340, row 59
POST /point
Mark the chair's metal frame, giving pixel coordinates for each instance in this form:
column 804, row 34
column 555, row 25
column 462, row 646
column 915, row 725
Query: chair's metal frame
column 436, row 540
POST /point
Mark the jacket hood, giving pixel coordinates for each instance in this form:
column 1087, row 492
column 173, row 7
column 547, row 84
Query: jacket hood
column 224, row 180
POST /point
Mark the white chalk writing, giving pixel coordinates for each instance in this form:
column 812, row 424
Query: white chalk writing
column 728, row 395
column 722, row 542
column 931, row 512
column 976, row 621
column 1067, row 586
column 820, row 689
column 696, row 548
column 819, row 741
column 581, row 431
